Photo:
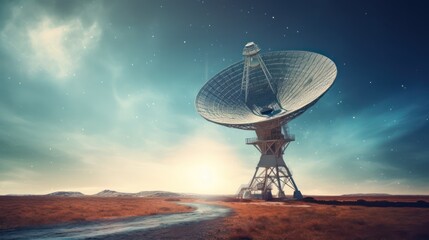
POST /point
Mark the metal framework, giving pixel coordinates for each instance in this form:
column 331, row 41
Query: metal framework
column 271, row 171
column 278, row 87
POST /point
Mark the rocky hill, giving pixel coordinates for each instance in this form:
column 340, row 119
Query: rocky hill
column 111, row 193
column 66, row 194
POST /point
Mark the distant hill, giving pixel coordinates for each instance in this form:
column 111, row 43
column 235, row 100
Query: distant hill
column 66, row 194
column 110, row 193
column 366, row 195
column 157, row 194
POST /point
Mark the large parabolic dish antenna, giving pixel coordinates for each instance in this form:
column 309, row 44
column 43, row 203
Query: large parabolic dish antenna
column 263, row 93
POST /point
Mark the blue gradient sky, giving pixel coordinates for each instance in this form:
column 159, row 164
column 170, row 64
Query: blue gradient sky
column 100, row 94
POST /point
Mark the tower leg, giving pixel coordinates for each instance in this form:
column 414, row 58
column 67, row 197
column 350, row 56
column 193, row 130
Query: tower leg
column 281, row 194
column 296, row 194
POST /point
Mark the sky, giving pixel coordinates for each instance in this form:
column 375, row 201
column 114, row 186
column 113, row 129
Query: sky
column 100, row 95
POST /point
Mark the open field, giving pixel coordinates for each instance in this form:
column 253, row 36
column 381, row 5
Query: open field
column 313, row 221
column 41, row 210
column 249, row 220
column 390, row 198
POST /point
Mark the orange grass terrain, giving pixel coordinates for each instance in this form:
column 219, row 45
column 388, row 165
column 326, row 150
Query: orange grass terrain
column 292, row 220
column 390, row 198
column 40, row 210
column 248, row 220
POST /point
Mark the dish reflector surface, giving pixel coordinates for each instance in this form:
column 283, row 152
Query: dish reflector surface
column 299, row 79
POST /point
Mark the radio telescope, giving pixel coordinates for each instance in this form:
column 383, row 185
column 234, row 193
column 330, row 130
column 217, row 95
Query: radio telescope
column 263, row 93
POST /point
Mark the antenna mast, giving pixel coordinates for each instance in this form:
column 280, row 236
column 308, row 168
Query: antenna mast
column 252, row 59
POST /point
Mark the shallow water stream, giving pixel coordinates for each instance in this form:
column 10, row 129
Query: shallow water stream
column 116, row 227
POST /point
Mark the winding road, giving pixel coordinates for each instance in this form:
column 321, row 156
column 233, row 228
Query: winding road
column 118, row 228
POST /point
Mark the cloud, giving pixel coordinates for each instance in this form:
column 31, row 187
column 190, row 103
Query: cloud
column 45, row 44
column 58, row 49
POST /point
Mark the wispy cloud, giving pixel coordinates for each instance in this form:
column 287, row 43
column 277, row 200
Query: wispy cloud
column 46, row 45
